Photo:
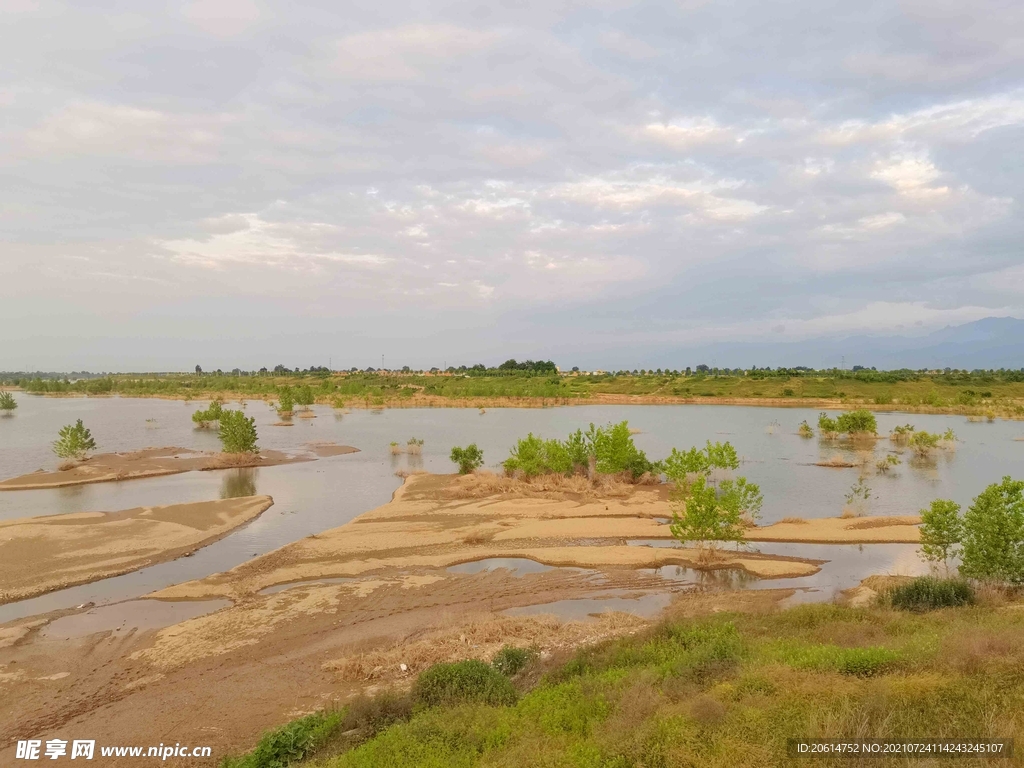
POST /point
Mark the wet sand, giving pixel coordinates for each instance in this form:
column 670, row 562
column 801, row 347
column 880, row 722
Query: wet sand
column 225, row 676
column 154, row 462
column 42, row 554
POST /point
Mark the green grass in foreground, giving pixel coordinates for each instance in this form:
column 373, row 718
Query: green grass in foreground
column 728, row 690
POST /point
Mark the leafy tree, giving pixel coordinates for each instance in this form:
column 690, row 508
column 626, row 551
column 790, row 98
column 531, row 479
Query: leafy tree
column 941, row 531
column 7, row 402
column 861, row 421
column 993, row 534
column 680, row 466
column 709, row 513
column 468, row 458
column 199, row 370
column 238, row 432
column 74, row 442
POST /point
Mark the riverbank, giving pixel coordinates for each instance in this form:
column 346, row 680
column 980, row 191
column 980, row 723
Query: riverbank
column 42, row 554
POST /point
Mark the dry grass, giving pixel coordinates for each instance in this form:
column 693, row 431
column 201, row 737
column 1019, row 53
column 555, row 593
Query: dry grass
column 836, row 461
column 850, row 512
column 404, row 473
column 479, row 537
column 396, row 449
column 483, row 484
column 67, row 466
column 481, row 639
column 793, row 521
column 883, row 522
column 414, row 450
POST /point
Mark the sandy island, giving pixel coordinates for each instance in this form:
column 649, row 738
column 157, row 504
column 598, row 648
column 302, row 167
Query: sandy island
column 42, row 554
column 154, row 462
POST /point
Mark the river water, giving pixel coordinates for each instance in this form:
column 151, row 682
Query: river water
column 314, row 496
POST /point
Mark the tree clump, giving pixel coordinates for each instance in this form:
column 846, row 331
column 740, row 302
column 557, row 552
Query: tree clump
column 859, row 423
column 238, row 432
column 285, row 402
column 203, row 419
column 74, row 442
column 607, row 450
column 7, row 402
column 988, row 537
column 468, row 458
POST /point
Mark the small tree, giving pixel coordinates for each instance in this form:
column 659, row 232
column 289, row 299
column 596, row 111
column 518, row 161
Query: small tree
column 304, row 397
column 74, row 442
column 211, row 414
column 7, row 402
column 238, row 432
column 468, row 458
column 859, row 422
column 710, row 514
column 286, row 401
column 993, row 534
column 941, row 531
column 805, row 429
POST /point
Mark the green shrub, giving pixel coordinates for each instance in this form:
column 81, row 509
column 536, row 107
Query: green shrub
column 74, row 442
column 468, row 458
column 213, row 413
column 857, row 422
column 827, row 425
column 615, row 453
column 290, row 743
column 533, row 456
column 7, row 402
column 993, row 534
column 928, row 593
column 285, row 400
column 805, row 429
column 715, row 513
column 681, row 464
column 463, row 681
column 237, row 432
column 304, row 396
column 510, row 661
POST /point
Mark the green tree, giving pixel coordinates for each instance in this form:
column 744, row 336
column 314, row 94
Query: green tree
column 286, row 401
column 7, row 402
column 304, row 396
column 238, row 432
column 681, row 466
column 74, row 442
column 468, row 458
column 993, row 534
column 857, row 422
column 211, row 414
column 615, row 452
column 709, row 514
column 941, row 531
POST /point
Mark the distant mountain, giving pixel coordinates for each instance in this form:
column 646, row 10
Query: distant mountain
column 993, row 342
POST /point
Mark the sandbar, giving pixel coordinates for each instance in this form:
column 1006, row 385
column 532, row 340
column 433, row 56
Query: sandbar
column 42, row 554
column 155, row 462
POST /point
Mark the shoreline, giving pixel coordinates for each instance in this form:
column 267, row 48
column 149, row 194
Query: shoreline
column 596, row 399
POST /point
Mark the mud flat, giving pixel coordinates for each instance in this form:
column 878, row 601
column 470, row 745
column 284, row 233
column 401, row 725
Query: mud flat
column 42, row 554
column 154, row 462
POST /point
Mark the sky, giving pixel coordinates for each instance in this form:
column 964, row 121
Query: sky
column 605, row 184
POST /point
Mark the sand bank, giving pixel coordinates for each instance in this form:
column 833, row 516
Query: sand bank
column 41, row 554
column 429, row 525
column 154, row 462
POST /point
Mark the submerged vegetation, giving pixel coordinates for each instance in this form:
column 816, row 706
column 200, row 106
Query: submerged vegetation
column 859, row 423
column 718, row 691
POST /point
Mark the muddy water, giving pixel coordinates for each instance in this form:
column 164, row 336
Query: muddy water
column 315, row 496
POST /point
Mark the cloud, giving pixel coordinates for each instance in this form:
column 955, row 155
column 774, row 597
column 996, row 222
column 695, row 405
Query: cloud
column 520, row 175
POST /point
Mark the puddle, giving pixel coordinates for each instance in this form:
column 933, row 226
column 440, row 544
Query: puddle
column 130, row 615
column 585, row 609
column 847, row 565
column 517, row 566
column 312, row 582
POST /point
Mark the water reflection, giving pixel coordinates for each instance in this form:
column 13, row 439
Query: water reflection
column 239, row 482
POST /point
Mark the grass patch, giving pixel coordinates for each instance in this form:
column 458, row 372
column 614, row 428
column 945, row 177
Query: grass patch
column 463, row 681
column 290, row 743
column 725, row 690
column 928, row 593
